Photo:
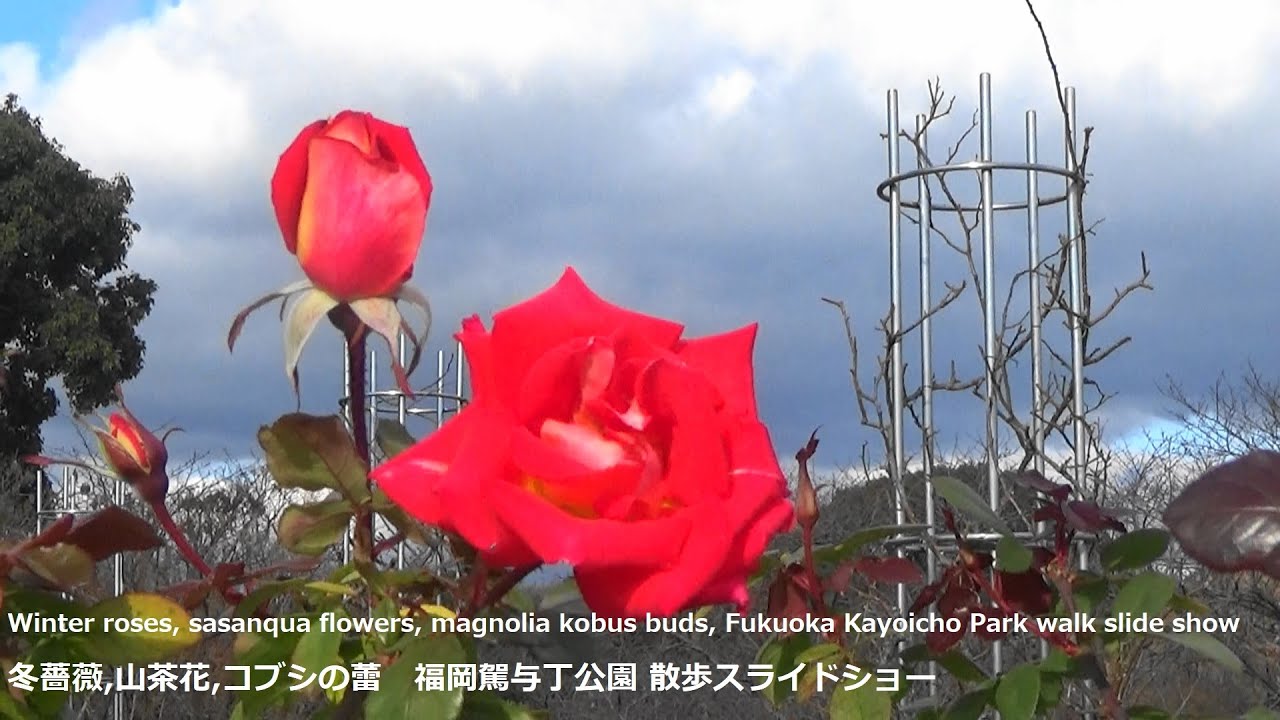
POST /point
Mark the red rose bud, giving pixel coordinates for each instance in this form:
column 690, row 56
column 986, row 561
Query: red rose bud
column 351, row 197
column 598, row 437
column 135, row 454
column 806, row 495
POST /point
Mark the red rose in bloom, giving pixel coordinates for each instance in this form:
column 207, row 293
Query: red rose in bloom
column 597, row 437
column 351, row 196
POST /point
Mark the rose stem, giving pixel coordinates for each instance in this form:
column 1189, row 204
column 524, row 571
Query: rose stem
column 185, row 548
column 354, row 331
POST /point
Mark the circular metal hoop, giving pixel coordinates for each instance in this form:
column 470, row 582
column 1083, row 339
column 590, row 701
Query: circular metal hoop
column 882, row 190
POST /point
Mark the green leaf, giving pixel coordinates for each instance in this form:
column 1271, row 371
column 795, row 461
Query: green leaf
column 487, row 706
column 1090, row 591
column 265, row 592
column 1186, row 604
column 398, row 697
column 861, row 703
column 1260, row 713
column 313, row 529
column 63, row 565
column 1018, row 692
column 317, row 650
column 1135, row 549
column 1012, row 556
column 780, row 654
column 819, row 653
column 960, row 666
column 1144, row 594
column 392, row 438
column 144, row 628
column 11, row 708
column 968, row 502
column 850, row 546
column 1208, row 646
column 314, row 452
column 969, row 706
column 1146, row 712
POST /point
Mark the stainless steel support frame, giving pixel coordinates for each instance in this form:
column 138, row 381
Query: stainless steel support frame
column 925, row 203
column 436, row 403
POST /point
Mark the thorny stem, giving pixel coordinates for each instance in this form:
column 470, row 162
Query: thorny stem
column 386, row 544
column 355, row 332
column 185, row 548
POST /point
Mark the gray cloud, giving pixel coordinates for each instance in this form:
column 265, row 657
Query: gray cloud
column 714, row 222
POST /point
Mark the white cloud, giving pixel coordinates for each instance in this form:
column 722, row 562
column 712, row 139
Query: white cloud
column 197, row 86
column 728, row 93
column 19, row 70
column 595, row 133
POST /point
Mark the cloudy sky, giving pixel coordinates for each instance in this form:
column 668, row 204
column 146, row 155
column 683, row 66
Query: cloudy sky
column 710, row 162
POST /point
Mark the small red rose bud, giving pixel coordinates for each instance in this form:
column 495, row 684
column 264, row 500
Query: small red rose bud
column 806, row 495
column 135, row 454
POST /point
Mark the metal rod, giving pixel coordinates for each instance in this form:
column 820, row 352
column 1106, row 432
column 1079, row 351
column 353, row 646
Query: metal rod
column 990, row 351
column 1076, row 262
column 897, row 389
column 402, row 411
column 39, row 500
column 1033, row 285
column 458, row 385
column 371, row 393
column 346, row 415
column 926, row 363
column 117, row 584
column 439, row 388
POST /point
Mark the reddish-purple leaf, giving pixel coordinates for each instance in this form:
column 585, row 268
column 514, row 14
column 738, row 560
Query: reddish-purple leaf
column 285, row 569
column 957, row 601
column 786, row 598
column 227, row 574
column 889, row 569
column 928, row 594
column 112, row 530
column 1026, row 592
column 1088, row 517
column 838, row 580
column 1048, row 513
column 55, row 533
column 189, row 594
column 994, row 627
column 1229, row 518
column 940, row 641
column 1038, row 482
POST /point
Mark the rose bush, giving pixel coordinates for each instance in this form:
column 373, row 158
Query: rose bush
column 596, row 436
column 351, row 196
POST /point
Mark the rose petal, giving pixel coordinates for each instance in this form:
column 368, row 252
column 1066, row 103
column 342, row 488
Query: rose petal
column 352, row 127
column 726, row 360
column 361, row 221
column 478, row 346
column 568, row 310
column 619, row 591
column 395, row 142
column 445, row 479
column 697, row 468
column 552, row 384
column 290, row 182
column 558, row 536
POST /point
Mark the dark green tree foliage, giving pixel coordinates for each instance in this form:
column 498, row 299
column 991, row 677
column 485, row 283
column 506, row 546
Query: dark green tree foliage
column 68, row 307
